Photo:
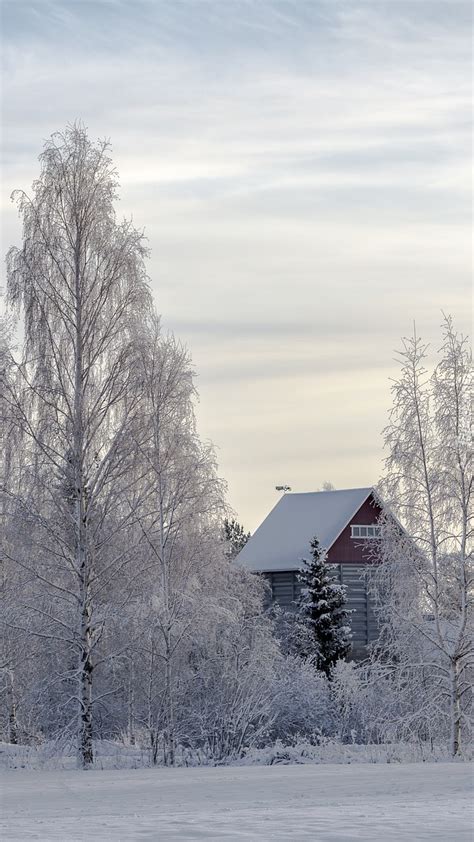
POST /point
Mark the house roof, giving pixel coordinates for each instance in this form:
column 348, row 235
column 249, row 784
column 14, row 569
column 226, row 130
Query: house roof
column 283, row 538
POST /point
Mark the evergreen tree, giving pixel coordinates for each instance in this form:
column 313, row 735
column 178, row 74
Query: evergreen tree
column 235, row 537
column 322, row 616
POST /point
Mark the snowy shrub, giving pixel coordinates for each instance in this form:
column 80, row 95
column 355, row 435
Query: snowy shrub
column 301, row 700
column 229, row 706
column 326, row 750
column 349, row 701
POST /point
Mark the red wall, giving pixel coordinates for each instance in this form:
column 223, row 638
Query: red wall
column 347, row 550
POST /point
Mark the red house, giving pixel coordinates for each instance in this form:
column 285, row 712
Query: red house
column 346, row 523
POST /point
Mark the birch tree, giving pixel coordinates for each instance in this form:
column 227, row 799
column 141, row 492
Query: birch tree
column 80, row 283
column 425, row 582
column 8, row 648
column 180, row 522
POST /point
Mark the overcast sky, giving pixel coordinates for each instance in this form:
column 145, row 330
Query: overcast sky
column 302, row 171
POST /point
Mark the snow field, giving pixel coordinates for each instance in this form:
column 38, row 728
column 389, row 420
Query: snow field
column 327, row 803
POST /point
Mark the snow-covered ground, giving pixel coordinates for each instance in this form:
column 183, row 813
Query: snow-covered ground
column 322, row 803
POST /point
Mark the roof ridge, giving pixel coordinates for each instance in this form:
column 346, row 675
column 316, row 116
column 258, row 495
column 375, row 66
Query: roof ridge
column 330, row 491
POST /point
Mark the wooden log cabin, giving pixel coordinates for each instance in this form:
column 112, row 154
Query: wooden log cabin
column 346, row 523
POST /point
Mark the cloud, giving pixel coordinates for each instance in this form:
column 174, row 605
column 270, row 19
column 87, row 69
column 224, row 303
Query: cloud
column 301, row 170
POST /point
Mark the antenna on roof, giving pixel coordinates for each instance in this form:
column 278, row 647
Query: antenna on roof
column 283, row 488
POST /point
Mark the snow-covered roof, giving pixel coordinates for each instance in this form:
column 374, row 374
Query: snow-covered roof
column 283, row 538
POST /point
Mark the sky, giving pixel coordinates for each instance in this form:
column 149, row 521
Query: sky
column 302, row 172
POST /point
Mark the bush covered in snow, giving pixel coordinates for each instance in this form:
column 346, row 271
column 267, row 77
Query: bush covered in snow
column 300, row 751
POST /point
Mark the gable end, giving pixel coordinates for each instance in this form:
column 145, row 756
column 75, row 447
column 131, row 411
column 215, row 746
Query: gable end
column 349, row 550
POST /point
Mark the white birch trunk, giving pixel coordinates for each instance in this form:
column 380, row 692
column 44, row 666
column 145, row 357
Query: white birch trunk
column 11, row 701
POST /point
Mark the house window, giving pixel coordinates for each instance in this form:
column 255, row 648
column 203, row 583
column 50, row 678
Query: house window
column 359, row 531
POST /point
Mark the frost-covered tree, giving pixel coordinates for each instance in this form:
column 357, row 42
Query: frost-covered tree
column 235, row 537
column 179, row 525
column 120, row 612
column 322, row 617
column 424, row 583
column 79, row 281
column 10, row 645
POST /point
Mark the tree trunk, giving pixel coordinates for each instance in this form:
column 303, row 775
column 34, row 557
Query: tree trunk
column 131, row 700
column 12, row 720
column 455, row 703
column 85, row 747
column 152, row 730
column 170, row 755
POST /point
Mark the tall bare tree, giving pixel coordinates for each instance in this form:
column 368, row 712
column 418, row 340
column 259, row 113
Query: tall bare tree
column 425, row 583
column 180, row 522
column 80, row 282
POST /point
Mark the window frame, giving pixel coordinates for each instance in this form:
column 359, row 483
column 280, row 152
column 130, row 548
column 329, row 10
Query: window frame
column 371, row 531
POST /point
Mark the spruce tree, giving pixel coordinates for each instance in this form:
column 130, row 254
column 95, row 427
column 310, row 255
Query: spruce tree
column 235, row 537
column 322, row 615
